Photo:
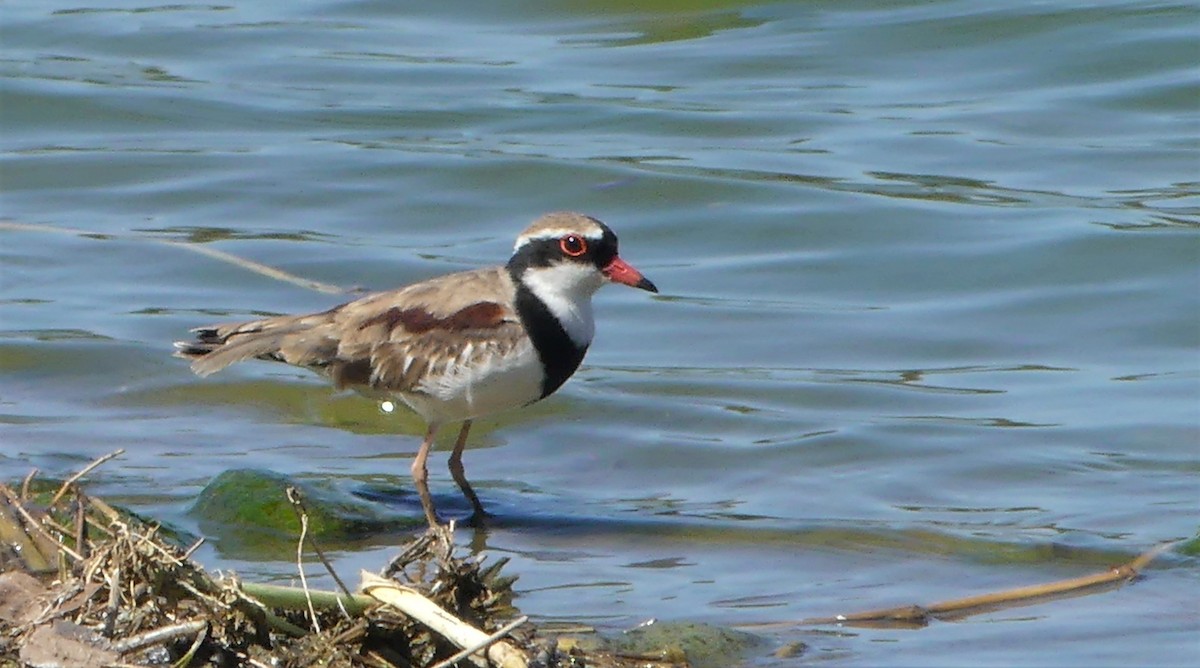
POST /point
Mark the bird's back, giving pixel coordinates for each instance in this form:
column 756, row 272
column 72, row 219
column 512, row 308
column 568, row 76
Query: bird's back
column 425, row 338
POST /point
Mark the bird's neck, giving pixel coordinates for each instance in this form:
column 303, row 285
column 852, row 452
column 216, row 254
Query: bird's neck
column 566, row 291
column 559, row 322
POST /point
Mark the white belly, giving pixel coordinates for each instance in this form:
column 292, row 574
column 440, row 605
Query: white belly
column 470, row 391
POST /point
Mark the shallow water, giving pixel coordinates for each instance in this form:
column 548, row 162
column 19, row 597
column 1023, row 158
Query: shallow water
column 929, row 322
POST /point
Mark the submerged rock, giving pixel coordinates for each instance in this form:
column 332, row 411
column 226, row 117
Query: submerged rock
column 247, row 509
column 1190, row 547
column 700, row 645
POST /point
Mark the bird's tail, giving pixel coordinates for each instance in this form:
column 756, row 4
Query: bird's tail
column 217, row 346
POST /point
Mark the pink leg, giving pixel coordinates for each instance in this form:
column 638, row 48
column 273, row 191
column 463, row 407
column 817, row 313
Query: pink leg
column 456, row 470
column 420, row 474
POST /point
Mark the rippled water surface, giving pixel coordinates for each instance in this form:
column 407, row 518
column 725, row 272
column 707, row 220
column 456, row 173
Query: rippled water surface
column 930, row 311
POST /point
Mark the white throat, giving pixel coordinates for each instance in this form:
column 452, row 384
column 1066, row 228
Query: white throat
column 566, row 289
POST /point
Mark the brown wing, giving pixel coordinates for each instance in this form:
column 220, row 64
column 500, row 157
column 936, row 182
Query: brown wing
column 397, row 349
column 386, row 341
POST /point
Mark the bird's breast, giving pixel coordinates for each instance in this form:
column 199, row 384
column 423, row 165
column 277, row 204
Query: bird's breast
column 480, row 386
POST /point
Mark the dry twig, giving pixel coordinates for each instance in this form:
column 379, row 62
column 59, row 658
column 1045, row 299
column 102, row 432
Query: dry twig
column 463, row 635
column 919, row 615
column 293, row 496
column 485, row 643
column 82, row 472
column 35, row 524
column 297, row 500
column 160, row 635
column 249, row 265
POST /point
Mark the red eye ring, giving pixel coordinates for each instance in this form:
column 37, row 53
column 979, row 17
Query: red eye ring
column 573, row 245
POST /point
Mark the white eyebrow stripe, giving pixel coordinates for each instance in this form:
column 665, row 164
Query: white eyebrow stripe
column 553, row 233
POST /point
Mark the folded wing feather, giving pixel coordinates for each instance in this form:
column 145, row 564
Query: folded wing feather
column 386, row 341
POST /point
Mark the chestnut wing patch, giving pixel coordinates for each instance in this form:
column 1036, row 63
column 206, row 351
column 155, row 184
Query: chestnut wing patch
column 416, row 320
column 416, row 344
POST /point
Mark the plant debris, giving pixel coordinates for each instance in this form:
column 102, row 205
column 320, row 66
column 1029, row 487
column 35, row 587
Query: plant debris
column 85, row 586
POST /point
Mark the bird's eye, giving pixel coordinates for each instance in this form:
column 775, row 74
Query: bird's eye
column 572, row 245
